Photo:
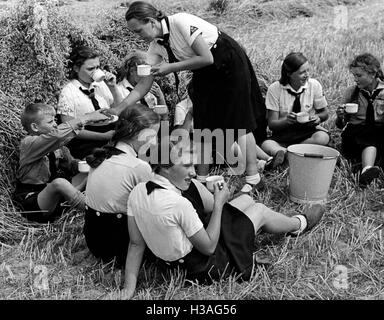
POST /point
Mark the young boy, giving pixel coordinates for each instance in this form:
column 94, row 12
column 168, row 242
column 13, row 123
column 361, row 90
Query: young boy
column 38, row 190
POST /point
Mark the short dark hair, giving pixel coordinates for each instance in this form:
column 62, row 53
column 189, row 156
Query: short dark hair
column 368, row 63
column 31, row 114
column 142, row 11
column 78, row 56
column 292, row 62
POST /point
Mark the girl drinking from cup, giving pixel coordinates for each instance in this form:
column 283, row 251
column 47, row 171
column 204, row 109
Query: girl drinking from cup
column 89, row 89
column 128, row 76
column 188, row 228
column 362, row 117
column 296, row 106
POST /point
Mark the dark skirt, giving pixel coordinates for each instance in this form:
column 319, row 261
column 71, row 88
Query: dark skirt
column 296, row 133
column 234, row 251
column 106, row 235
column 226, row 94
column 356, row 137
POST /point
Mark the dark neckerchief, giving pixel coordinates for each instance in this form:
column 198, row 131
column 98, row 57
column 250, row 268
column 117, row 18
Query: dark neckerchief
column 150, row 185
column 91, row 94
column 296, row 104
column 171, row 56
column 370, row 113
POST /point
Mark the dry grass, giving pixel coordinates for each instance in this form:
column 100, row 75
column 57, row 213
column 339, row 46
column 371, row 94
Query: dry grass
column 350, row 234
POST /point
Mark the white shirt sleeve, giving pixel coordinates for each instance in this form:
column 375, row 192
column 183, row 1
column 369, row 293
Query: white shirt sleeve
column 319, row 101
column 187, row 28
column 188, row 218
column 272, row 97
column 66, row 104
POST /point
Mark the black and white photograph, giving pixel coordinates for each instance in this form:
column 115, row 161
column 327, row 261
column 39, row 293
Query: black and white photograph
column 194, row 157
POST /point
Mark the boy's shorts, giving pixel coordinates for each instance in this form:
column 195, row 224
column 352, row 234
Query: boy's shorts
column 30, row 206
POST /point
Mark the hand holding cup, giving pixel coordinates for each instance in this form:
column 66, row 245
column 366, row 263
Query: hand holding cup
column 98, row 75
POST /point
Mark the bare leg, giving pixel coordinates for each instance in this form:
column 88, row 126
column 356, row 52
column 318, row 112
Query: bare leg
column 79, row 181
column 247, row 144
column 319, row 137
column 271, row 147
column 50, row 196
column 368, row 156
column 205, row 155
column 265, row 218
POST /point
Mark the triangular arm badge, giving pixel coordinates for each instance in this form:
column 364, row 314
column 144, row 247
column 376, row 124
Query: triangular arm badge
column 192, row 30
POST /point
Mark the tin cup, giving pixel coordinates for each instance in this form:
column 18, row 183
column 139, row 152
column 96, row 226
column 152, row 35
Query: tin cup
column 83, row 166
column 98, row 75
column 143, row 70
column 212, row 180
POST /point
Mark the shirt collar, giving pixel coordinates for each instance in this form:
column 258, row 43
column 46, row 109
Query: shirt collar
column 164, row 27
column 380, row 85
column 91, row 86
column 165, row 183
column 288, row 86
column 126, row 148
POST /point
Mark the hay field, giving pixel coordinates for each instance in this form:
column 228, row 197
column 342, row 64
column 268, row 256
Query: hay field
column 349, row 240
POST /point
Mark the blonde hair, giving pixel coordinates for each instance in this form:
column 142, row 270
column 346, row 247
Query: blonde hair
column 32, row 114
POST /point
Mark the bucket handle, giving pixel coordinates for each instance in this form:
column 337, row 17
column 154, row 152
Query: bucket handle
column 314, row 155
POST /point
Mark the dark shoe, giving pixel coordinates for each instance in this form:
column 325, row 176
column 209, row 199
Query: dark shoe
column 250, row 189
column 368, row 176
column 276, row 161
column 313, row 214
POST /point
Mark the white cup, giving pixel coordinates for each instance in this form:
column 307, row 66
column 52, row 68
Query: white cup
column 98, row 75
column 351, row 107
column 160, row 109
column 143, row 70
column 83, row 166
column 302, row 117
column 212, row 180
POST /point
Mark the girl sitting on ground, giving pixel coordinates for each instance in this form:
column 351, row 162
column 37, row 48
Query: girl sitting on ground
column 295, row 92
column 363, row 131
column 116, row 170
column 187, row 227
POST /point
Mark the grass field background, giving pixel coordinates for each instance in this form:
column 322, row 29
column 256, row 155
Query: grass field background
column 348, row 241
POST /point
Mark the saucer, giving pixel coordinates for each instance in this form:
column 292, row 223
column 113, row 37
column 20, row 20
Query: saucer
column 113, row 119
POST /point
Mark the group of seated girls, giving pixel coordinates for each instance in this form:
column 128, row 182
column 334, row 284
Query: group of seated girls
column 182, row 224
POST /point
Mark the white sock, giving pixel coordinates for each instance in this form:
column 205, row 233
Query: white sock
column 365, row 168
column 201, row 179
column 255, row 179
column 303, row 224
